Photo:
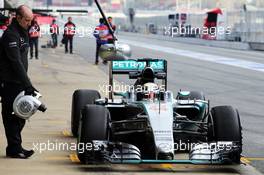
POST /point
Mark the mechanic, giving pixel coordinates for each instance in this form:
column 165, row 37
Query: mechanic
column 14, row 79
column 110, row 20
column 69, row 31
column 3, row 24
column 54, row 30
column 100, row 33
column 110, row 37
column 34, row 31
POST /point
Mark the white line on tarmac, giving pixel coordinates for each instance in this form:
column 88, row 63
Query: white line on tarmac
column 200, row 56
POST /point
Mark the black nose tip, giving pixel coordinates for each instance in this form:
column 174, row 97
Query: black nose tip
column 42, row 108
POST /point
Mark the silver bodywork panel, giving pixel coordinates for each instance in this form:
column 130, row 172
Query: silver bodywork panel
column 160, row 116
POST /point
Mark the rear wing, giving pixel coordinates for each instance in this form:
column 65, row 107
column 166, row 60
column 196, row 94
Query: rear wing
column 128, row 66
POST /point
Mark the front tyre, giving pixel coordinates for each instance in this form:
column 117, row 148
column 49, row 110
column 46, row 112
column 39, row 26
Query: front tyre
column 80, row 98
column 226, row 126
column 93, row 126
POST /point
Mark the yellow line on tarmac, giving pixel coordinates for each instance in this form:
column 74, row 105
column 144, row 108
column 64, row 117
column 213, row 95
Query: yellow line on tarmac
column 74, row 158
column 249, row 159
column 66, row 133
column 255, row 158
column 45, row 65
column 244, row 160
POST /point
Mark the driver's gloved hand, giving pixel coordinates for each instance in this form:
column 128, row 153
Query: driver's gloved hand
column 30, row 91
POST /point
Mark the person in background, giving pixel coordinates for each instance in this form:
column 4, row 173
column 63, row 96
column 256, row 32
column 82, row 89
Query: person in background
column 100, row 33
column 11, row 15
column 110, row 20
column 34, row 33
column 54, row 30
column 110, row 37
column 4, row 22
column 69, row 32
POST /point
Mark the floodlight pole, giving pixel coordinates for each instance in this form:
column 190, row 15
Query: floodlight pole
column 105, row 19
column 110, row 89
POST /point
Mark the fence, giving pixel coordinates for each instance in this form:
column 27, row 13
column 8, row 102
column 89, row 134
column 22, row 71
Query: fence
column 253, row 27
column 245, row 26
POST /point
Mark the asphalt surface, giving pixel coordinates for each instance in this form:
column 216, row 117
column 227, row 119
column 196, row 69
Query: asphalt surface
column 223, row 84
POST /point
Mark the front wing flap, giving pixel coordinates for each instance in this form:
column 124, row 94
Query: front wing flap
column 202, row 153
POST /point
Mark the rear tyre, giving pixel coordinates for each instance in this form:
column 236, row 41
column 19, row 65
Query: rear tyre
column 80, row 98
column 226, row 126
column 93, row 126
column 193, row 95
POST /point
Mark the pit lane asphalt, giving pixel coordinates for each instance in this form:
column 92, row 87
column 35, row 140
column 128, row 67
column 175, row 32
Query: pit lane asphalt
column 222, row 84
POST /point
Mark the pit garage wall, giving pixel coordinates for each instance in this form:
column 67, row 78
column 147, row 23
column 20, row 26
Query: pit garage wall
column 160, row 21
column 249, row 26
column 254, row 26
column 246, row 26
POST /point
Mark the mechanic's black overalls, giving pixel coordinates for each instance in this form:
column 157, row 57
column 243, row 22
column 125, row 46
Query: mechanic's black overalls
column 13, row 76
column 68, row 39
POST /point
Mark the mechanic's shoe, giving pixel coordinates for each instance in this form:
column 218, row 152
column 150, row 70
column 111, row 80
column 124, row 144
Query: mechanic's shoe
column 28, row 153
column 96, row 63
column 21, row 155
column 105, row 62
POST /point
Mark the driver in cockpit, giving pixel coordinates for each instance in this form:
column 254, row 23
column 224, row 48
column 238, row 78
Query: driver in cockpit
column 147, row 76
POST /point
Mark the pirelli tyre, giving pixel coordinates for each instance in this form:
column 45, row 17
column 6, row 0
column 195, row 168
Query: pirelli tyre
column 226, row 126
column 93, row 126
column 80, row 98
column 193, row 95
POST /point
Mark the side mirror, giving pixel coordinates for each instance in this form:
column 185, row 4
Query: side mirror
column 118, row 51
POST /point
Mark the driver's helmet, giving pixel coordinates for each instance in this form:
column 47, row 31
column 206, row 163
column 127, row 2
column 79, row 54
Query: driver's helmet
column 150, row 90
column 148, row 75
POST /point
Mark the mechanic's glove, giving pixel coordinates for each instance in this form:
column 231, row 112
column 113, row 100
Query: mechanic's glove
column 31, row 91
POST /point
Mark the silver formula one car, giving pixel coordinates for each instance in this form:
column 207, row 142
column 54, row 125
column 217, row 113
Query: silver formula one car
column 148, row 124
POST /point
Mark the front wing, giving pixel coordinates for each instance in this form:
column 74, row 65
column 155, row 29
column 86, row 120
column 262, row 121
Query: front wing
column 123, row 153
